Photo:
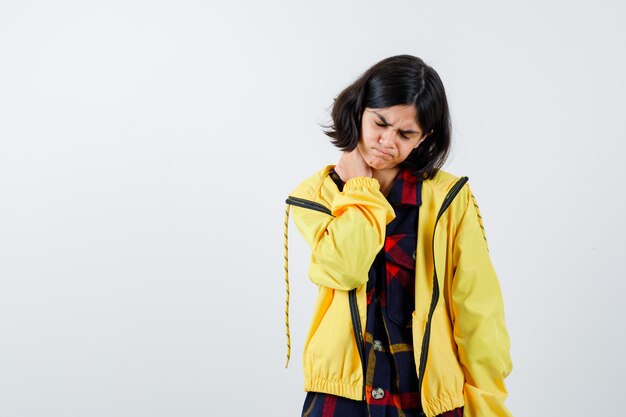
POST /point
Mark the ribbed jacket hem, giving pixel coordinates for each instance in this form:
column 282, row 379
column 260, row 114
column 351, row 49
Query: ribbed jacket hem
column 354, row 391
column 444, row 402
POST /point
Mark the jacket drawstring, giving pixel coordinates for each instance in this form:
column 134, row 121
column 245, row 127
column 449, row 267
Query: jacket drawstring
column 480, row 220
column 286, row 231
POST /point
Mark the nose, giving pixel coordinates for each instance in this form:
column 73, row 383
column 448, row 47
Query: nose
column 387, row 138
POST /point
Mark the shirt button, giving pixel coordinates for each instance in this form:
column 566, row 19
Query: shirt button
column 378, row 345
column 378, row 393
column 414, row 253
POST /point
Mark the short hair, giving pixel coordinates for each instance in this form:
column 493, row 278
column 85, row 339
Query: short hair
column 400, row 79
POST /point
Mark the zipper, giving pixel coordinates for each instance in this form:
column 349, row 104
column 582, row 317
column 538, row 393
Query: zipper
column 435, row 297
column 358, row 331
column 301, row 202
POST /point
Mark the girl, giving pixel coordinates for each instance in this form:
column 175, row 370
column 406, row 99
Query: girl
column 409, row 318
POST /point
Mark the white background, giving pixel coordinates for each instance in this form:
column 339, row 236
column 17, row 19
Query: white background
column 147, row 148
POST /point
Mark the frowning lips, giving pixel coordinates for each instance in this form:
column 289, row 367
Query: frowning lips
column 388, row 155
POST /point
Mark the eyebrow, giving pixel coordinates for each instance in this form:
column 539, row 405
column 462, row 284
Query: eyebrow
column 404, row 132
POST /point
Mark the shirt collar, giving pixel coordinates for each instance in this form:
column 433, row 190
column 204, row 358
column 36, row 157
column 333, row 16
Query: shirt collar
column 406, row 189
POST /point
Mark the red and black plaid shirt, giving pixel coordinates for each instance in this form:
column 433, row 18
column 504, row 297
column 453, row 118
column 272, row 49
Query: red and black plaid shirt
column 391, row 384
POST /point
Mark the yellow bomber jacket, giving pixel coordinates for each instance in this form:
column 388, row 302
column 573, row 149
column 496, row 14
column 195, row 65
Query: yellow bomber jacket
column 461, row 344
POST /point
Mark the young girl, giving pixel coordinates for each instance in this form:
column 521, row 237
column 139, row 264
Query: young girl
column 409, row 318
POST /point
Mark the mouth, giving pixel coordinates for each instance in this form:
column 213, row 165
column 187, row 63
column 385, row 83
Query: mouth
column 382, row 153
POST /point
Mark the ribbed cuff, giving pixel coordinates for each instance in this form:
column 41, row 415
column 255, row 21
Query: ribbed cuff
column 368, row 182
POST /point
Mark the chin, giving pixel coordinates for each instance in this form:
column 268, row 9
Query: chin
column 373, row 164
column 379, row 166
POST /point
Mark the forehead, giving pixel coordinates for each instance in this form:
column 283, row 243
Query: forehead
column 402, row 116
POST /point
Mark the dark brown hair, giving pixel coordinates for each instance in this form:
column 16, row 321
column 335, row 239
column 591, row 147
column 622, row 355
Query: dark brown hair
column 401, row 79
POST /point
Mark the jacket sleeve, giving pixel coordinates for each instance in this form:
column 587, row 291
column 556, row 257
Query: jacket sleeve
column 479, row 325
column 344, row 244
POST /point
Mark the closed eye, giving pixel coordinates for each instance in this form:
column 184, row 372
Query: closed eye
column 402, row 135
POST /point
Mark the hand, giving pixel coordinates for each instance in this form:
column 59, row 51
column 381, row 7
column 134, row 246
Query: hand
column 351, row 164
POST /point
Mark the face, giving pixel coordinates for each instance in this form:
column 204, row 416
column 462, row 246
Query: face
column 388, row 135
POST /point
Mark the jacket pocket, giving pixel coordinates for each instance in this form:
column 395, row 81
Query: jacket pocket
column 419, row 325
column 400, row 277
column 322, row 305
column 443, row 372
column 330, row 352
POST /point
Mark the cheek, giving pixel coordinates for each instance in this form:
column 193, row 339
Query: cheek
column 405, row 152
column 369, row 135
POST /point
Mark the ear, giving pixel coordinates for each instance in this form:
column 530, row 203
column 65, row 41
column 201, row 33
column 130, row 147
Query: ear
column 424, row 138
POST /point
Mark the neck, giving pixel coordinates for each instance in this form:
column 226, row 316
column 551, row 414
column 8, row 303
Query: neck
column 385, row 178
